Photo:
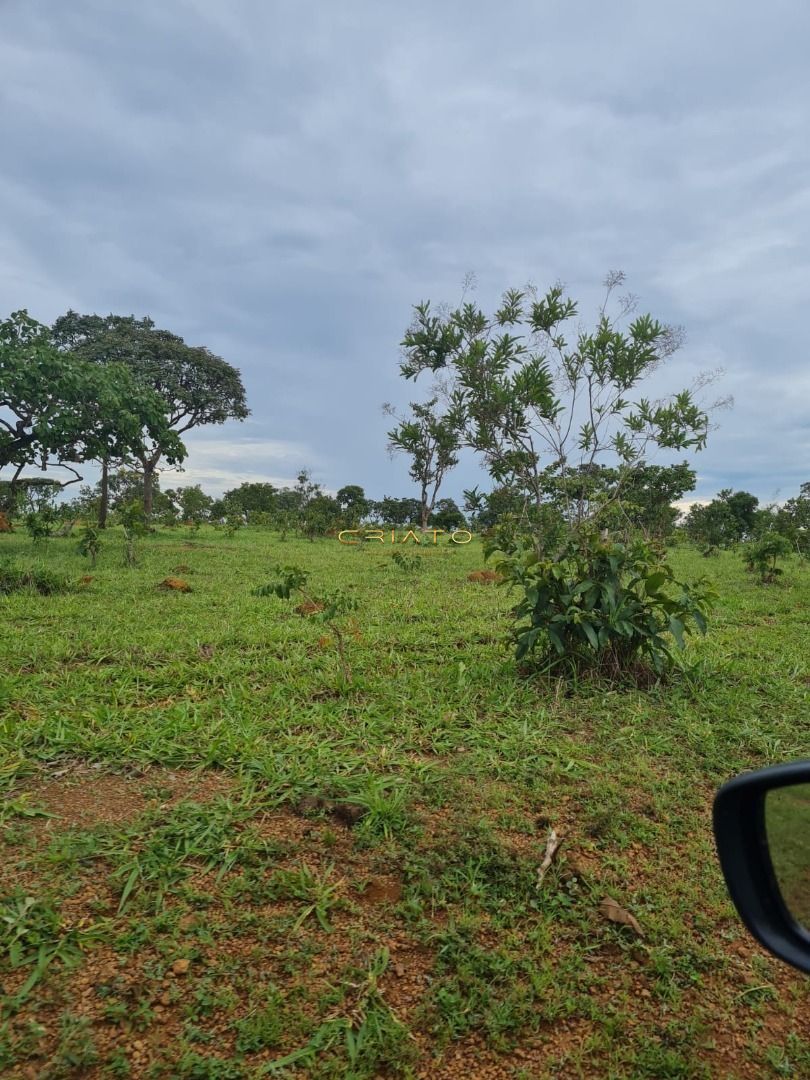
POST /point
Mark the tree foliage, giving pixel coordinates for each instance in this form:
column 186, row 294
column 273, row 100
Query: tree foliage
column 726, row 520
column 57, row 410
column 541, row 403
column 604, row 605
column 431, row 438
column 561, row 421
column 354, row 505
column 195, row 386
column 761, row 555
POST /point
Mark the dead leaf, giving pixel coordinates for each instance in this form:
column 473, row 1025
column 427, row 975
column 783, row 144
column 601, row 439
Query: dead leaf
column 615, row 913
column 180, row 967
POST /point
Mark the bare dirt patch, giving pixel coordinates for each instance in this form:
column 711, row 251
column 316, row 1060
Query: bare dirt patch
column 174, row 584
column 85, row 796
column 485, row 577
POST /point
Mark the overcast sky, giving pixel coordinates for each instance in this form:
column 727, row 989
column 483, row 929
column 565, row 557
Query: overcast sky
column 281, row 181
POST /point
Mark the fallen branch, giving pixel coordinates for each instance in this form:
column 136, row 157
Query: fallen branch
column 553, row 843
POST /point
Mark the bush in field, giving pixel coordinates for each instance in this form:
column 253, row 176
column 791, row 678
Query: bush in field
column 724, row 522
column 90, row 543
column 42, row 517
column 328, row 608
column 132, row 517
column 233, row 523
column 40, row 524
column 761, row 556
column 31, row 579
column 603, row 605
column 408, row 563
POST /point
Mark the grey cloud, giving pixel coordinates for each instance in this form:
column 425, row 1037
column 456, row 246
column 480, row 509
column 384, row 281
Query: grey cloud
column 282, row 181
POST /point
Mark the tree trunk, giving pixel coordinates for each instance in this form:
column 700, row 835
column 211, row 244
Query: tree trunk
column 11, row 505
column 424, row 511
column 104, row 501
column 148, row 488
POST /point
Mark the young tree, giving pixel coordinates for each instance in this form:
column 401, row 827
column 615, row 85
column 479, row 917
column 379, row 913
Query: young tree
column 711, row 524
column 320, row 514
column 547, row 409
column 57, row 410
column 649, row 494
column 195, row 386
column 432, row 440
column 639, row 498
column 743, row 508
column 793, row 520
column 502, row 501
column 539, row 405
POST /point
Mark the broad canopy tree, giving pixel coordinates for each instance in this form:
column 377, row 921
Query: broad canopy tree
column 353, row 503
column 726, row 520
column 392, row 511
column 57, row 410
column 252, row 497
column 195, row 386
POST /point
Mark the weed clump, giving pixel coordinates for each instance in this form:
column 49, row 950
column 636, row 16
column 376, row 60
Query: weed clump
column 15, row 579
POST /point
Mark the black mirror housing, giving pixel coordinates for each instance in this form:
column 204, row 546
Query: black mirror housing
column 743, row 848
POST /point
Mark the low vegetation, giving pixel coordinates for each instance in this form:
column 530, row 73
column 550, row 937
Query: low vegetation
column 223, row 859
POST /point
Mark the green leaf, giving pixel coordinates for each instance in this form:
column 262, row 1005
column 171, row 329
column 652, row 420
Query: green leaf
column 676, row 628
column 654, row 582
column 590, row 633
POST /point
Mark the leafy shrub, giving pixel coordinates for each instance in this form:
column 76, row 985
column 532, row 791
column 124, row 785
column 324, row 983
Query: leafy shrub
column 328, row 607
column 133, row 519
column 408, row 563
column 90, row 543
column 233, row 523
column 761, row 556
column 603, row 605
column 40, row 524
column 31, row 579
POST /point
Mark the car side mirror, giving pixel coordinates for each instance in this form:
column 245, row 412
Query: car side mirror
column 762, row 830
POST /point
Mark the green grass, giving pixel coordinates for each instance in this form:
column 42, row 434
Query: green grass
column 787, row 820
column 435, row 773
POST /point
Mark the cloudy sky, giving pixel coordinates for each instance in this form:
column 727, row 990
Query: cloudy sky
column 281, row 180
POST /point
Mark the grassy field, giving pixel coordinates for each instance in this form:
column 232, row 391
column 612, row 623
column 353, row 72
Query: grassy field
column 222, row 861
